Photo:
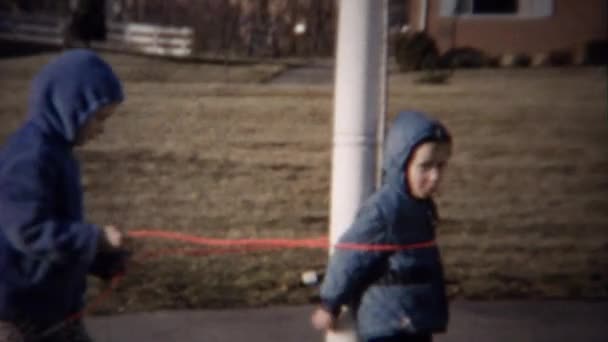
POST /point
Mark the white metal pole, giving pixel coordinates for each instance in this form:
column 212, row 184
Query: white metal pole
column 383, row 86
column 357, row 103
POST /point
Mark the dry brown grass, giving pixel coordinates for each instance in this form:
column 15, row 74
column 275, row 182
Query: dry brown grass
column 525, row 203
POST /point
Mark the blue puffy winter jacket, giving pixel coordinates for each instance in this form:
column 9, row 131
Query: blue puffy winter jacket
column 398, row 292
column 46, row 246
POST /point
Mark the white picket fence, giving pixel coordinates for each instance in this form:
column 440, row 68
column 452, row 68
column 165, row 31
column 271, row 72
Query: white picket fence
column 140, row 37
column 152, row 39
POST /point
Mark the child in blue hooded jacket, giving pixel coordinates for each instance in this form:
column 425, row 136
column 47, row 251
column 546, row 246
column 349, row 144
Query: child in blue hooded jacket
column 395, row 295
column 47, row 248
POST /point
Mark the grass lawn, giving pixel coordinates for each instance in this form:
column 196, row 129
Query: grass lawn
column 209, row 150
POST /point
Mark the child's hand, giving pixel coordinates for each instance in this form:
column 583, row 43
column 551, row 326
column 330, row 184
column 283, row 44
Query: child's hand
column 112, row 254
column 323, row 320
column 111, row 238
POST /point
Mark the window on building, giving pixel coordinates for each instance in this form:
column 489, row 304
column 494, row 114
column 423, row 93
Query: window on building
column 494, row 7
column 507, row 8
column 479, row 7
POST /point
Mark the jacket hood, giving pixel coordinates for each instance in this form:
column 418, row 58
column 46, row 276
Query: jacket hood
column 408, row 130
column 69, row 90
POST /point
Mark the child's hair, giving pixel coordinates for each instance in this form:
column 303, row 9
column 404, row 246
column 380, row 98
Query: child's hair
column 441, row 135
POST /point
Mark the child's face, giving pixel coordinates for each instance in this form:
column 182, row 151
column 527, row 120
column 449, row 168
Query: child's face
column 426, row 168
column 94, row 126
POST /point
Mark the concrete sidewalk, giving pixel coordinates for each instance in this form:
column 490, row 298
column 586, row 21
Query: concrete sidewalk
column 520, row 321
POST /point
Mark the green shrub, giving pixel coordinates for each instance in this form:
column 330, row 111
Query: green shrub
column 464, row 57
column 416, row 51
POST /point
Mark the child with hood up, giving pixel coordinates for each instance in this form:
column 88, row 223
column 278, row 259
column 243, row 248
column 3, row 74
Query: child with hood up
column 47, row 247
column 395, row 294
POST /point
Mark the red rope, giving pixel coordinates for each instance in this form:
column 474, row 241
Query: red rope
column 320, row 242
column 198, row 240
column 225, row 246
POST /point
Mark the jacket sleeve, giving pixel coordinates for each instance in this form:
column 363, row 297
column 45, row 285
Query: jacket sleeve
column 350, row 270
column 29, row 223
